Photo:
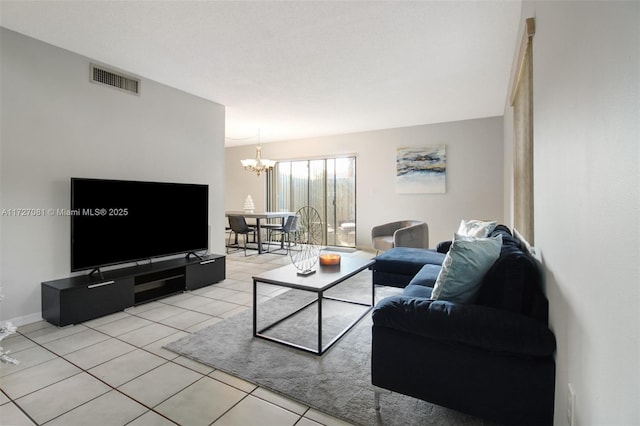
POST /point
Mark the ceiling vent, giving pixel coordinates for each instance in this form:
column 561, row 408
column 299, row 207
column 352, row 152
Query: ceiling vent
column 115, row 79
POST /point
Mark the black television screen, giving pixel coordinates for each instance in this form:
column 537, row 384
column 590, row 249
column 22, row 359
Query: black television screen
column 117, row 221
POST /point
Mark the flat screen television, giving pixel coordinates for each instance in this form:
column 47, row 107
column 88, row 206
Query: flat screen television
column 119, row 221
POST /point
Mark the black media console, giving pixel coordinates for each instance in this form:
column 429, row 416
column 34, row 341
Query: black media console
column 77, row 299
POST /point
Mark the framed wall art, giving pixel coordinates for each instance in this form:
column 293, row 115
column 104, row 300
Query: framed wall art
column 421, row 170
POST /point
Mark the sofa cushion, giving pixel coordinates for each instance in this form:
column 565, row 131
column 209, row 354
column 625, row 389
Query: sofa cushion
column 426, row 276
column 507, row 238
column 464, row 266
column 406, row 260
column 417, row 291
column 513, row 282
column 468, row 324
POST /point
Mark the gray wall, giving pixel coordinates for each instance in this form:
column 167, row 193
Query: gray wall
column 56, row 124
column 474, row 174
column 586, row 79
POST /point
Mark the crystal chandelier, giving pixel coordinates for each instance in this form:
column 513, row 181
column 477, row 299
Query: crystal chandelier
column 258, row 164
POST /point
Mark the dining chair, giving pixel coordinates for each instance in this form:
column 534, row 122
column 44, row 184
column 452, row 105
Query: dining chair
column 290, row 227
column 238, row 225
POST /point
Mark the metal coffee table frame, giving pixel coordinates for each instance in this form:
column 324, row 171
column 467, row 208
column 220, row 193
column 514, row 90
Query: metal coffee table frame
column 324, row 279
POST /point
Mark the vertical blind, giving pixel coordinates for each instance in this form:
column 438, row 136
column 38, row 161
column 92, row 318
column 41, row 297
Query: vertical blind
column 522, row 102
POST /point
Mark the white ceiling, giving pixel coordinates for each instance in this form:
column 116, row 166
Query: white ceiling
column 299, row 69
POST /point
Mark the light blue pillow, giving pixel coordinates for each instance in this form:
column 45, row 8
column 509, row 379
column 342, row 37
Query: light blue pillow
column 464, row 266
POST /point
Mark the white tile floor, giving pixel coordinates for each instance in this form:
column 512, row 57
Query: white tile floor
column 114, row 371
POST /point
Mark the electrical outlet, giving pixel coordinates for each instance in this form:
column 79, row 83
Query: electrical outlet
column 571, row 405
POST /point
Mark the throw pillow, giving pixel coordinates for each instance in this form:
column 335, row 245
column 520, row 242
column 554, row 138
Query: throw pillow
column 464, row 266
column 476, row 228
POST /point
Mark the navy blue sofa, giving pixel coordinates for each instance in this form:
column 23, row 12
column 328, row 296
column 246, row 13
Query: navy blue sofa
column 493, row 358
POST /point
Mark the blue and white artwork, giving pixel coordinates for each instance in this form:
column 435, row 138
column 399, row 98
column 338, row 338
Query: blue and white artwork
column 421, row 170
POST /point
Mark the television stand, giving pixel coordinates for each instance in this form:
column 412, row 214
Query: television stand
column 77, row 299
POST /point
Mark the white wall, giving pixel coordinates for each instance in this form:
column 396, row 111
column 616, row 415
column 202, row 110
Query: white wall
column 474, row 174
column 56, row 124
column 587, row 211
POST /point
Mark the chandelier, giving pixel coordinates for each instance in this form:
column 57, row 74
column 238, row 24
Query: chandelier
column 258, row 164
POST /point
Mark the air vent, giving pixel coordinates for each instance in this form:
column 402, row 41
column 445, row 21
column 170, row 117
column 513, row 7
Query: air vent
column 115, row 79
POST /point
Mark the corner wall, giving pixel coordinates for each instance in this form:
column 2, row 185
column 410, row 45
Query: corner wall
column 56, row 124
column 474, row 174
column 586, row 83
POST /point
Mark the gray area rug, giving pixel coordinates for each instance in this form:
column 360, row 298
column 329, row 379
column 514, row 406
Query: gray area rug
column 337, row 383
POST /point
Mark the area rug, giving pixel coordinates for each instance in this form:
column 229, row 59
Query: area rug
column 337, row 383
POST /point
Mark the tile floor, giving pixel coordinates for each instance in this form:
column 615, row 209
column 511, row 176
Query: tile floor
column 114, row 371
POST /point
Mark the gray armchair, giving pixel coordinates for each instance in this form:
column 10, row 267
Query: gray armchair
column 403, row 233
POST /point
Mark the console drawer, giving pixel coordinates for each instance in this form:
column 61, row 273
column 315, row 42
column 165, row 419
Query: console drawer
column 63, row 304
column 206, row 272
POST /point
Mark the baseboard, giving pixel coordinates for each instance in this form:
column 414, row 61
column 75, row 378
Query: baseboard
column 26, row 319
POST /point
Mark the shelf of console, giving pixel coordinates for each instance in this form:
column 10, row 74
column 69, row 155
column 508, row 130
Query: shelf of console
column 81, row 298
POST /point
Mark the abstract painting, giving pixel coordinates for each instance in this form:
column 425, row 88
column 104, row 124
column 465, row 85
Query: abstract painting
column 421, row 170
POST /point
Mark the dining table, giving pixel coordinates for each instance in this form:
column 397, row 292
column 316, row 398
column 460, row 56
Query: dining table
column 259, row 217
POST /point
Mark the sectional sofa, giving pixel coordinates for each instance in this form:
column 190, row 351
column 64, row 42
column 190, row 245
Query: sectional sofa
column 491, row 356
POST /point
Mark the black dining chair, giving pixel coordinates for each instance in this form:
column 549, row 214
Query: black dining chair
column 238, row 225
column 290, row 227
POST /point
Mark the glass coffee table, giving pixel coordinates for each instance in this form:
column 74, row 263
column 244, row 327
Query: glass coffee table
column 325, row 278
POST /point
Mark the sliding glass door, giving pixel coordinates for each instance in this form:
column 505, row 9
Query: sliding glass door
column 341, row 196
column 328, row 185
